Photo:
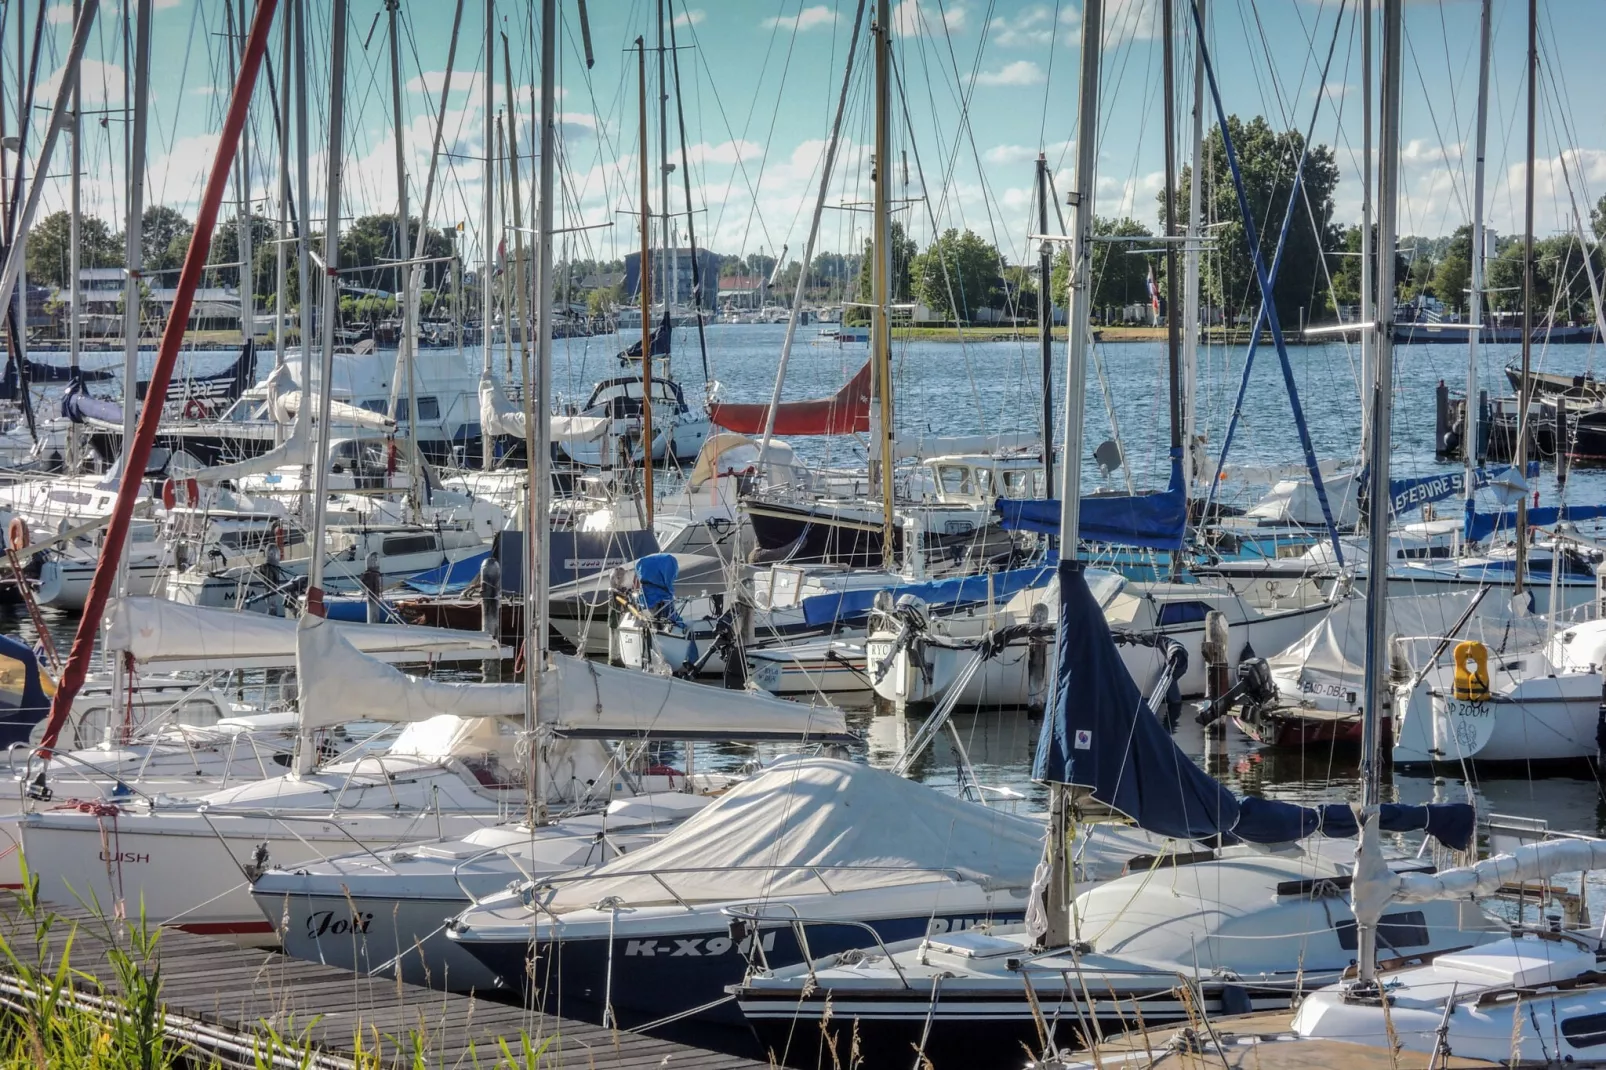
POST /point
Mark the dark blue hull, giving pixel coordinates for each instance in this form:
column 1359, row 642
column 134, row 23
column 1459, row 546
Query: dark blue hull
column 654, row 977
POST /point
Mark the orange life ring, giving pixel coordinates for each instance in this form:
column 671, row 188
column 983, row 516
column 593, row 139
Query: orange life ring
column 17, row 533
column 194, row 409
column 170, row 492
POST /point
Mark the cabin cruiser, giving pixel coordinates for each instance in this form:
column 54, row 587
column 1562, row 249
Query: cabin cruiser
column 678, row 432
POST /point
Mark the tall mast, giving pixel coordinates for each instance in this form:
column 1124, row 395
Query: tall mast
column 488, row 239
column 133, row 245
column 304, row 232
column 1173, row 339
column 1045, row 321
column 1368, row 254
column 1525, row 388
column 248, row 284
column 667, row 269
column 1469, row 421
column 1377, row 578
column 1078, row 315
column 331, row 312
column 281, row 252
column 404, row 308
column 1190, row 269
column 881, row 452
column 75, row 210
column 521, row 289
column 539, row 431
column 646, row 295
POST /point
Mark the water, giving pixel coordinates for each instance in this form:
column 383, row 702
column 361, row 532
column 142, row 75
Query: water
column 949, row 388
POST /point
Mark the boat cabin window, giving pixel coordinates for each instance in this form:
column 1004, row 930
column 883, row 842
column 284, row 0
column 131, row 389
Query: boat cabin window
column 956, row 479
column 1018, row 483
column 1183, row 612
column 424, row 543
column 429, row 408
column 1585, row 1030
column 1408, row 928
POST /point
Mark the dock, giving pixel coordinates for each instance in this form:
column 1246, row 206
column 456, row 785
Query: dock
column 253, row 1008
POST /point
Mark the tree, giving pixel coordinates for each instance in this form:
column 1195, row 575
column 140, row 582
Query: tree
column 904, row 250
column 1119, row 277
column 957, row 275
column 225, row 249
column 1452, row 278
column 372, row 240
column 1267, row 161
column 164, row 239
column 50, row 247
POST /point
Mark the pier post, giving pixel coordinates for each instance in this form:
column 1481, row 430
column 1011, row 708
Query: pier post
column 373, row 581
column 1441, row 417
column 1561, row 441
column 491, row 612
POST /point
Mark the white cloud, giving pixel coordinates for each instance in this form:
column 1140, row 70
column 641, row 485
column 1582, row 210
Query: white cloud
column 1013, row 154
column 690, row 18
column 1031, row 28
column 1021, row 72
column 1123, row 20
column 102, row 84
column 470, row 82
column 911, row 18
column 807, row 19
column 59, row 14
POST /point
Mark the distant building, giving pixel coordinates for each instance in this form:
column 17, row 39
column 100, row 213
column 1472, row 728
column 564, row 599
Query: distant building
column 216, row 308
column 98, row 303
column 743, row 291
column 675, row 281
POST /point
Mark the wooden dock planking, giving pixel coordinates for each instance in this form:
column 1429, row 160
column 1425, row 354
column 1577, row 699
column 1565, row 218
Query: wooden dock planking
column 242, row 992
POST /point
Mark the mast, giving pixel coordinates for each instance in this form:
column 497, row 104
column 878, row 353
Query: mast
column 1190, row 270
column 404, row 309
column 488, row 102
column 281, row 252
column 668, row 273
column 304, row 232
column 1377, row 578
column 247, row 268
column 1525, row 388
column 539, row 431
column 1469, row 421
column 881, row 452
column 691, row 224
column 1368, row 253
column 1173, row 340
column 1078, row 315
column 331, row 312
column 1045, row 321
column 74, row 265
column 520, row 287
column 646, row 296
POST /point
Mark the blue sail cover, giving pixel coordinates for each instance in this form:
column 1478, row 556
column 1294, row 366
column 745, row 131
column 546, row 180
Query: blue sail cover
column 1482, row 525
column 842, row 607
column 657, row 573
column 1417, row 491
column 1156, row 521
column 78, row 406
column 450, row 578
column 1101, row 734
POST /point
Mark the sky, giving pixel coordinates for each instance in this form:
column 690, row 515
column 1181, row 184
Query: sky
column 979, row 90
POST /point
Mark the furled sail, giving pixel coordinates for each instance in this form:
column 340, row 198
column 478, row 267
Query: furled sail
column 844, row 413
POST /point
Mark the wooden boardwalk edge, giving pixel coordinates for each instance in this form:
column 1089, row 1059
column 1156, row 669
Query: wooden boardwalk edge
column 239, row 1004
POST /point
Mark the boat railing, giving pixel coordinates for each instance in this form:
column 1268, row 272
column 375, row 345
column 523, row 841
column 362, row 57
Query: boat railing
column 531, row 893
column 798, row 923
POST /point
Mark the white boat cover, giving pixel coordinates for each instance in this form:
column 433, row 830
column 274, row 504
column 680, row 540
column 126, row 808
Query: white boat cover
column 806, row 825
column 1329, row 661
column 295, row 449
column 1294, row 501
column 922, row 446
column 160, row 632
column 340, row 412
column 499, row 416
column 340, row 683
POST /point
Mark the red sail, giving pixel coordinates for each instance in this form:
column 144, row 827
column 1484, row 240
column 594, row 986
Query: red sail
column 842, row 414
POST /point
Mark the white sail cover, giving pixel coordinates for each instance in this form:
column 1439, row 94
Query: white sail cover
column 340, row 683
column 295, row 449
column 158, row 632
column 340, row 412
column 1536, row 861
column 499, row 416
column 863, row 828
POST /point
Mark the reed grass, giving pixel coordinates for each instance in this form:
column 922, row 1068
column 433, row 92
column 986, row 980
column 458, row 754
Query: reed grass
column 54, row 1013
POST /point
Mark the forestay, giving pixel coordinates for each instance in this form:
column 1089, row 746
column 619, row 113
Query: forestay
column 863, row 828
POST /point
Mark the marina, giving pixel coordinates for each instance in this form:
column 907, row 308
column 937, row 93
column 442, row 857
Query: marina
column 863, row 535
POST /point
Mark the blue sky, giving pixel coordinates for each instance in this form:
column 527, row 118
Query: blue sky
column 985, row 86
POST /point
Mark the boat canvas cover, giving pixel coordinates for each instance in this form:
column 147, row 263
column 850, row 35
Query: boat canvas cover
column 340, row 683
column 1101, row 734
column 1329, row 660
column 499, row 416
column 157, row 631
column 842, row 607
column 808, row 825
column 844, row 413
column 1157, row 520
column 1480, row 526
column 450, row 578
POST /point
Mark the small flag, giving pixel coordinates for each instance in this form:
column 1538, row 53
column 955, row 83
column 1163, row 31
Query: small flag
column 1154, row 292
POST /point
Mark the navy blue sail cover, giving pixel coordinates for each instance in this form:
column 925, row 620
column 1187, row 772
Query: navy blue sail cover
column 79, row 406
column 1416, row 491
column 657, row 573
column 1481, row 525
column 843, row 607
column 1157, row 520
column 25, row 691
column 1100, row 734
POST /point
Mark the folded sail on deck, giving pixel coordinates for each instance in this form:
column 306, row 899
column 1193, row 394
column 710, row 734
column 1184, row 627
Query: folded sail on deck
column 844, row 413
